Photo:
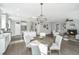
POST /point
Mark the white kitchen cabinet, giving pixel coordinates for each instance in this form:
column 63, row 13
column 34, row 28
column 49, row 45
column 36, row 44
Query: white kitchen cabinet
column 5, row 39
column 3, row 21
column 2, row 45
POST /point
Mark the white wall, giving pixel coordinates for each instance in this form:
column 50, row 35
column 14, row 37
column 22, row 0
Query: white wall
column 40, row 28
column 28, row 26
column 0, row 18
column 60, row 13
column 77, row 25
column 60, row 26
column 75, row 16
column 48, row 31
column 13, row 28
column 51, row 27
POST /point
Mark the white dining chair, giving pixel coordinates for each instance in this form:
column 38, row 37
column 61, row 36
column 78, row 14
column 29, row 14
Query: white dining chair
column 55, row 33
column 42, row 35
column 77, row 37
column 35, row 49
column 43, row 49
column 32, row 35
column 57, row 44
column 27, row 40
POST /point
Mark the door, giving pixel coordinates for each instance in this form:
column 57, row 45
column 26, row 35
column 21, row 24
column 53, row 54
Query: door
column 17, row 28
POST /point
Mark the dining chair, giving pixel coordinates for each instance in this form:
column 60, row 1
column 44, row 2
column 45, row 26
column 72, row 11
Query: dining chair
column 57, row 44
column 32, row 35
column 55, row 33
column 27, row 40
column 42, row 35
column 35, row 49
column 43, row 49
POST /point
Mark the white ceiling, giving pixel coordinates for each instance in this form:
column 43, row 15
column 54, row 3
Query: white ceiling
column 53, row 11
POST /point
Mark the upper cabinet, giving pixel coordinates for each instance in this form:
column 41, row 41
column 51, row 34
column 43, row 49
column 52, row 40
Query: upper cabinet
column 3, row 21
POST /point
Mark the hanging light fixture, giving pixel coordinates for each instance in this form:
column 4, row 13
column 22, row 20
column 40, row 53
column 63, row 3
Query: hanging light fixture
column 41, row 18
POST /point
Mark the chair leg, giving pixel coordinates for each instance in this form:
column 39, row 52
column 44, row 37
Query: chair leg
column 59, row 52
column 50, row 52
